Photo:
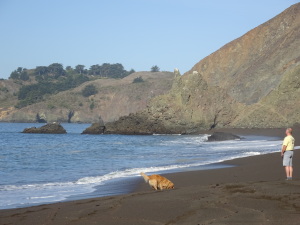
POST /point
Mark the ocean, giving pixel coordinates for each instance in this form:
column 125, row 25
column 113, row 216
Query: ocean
column 46, row 168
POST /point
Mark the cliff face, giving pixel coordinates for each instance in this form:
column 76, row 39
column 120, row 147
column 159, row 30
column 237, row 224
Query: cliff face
column 251, row 82
column 251, row 66
column 115, row 98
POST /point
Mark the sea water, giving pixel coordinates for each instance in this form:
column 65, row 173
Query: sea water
column 46, row 168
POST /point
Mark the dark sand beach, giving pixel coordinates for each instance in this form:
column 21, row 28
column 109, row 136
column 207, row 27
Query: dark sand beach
column 254, row 191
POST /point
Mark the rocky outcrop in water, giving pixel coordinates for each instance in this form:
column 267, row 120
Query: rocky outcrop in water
column 95, row 128
column 53, row 128
column 222, row 136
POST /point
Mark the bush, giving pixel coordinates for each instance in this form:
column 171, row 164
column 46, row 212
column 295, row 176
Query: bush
column 138, row 80
column 92, row 106
column 155, row 68
column 89, row 90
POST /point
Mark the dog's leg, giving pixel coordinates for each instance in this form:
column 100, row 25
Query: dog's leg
column 161, row 187
column 153, row 184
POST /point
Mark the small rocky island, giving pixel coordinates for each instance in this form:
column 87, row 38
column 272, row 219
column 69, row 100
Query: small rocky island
column 221, row 136
column 95, row 128
column 50, row 128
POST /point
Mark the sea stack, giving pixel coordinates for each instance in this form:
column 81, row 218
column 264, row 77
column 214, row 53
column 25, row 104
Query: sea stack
column 95, row 128
column 50, row 128
column 221, row 136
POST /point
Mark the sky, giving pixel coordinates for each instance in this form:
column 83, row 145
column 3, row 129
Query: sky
column 136, row 33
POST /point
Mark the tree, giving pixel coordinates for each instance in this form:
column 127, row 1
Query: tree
column 14, row 75
column 109, row 70
column 89, row 90
column 41, row 70
column 105, row 70
column 57, row 69
column 19, row 73
column 95, row 70
column 69, row 68
column 24, row 75
column 115, row 70
column 79, row 69
column 20, row 69
column 155, row 68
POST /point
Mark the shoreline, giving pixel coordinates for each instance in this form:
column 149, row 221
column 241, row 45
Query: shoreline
column 254, row 186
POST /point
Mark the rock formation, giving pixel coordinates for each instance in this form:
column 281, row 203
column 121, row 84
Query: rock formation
column 252, row 82
column 95, row 128
column 50, row 128
column 221, row 136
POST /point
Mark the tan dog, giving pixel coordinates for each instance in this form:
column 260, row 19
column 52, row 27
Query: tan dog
column 158, row 182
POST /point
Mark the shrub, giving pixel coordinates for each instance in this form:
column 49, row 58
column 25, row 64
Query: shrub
column 138, row 80
column 89, row 90
column 155, row 68
column 92, row 106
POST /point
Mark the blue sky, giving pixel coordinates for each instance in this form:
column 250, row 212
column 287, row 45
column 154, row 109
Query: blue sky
column 137, row 33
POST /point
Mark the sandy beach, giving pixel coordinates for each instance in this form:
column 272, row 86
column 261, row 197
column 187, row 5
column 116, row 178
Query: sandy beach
column 253, row 191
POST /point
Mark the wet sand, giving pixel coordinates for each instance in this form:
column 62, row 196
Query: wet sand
column 253, row 192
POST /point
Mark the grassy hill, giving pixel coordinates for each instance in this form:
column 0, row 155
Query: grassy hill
column 113, row 98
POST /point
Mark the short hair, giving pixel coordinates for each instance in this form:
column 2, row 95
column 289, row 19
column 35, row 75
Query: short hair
column 289, row 130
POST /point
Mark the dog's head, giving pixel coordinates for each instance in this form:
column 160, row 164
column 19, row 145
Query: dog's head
column 170, row 185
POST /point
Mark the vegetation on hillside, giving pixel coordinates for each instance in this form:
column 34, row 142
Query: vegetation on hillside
column 89, row 90
column 138, row 80
column 47, row 80
column 155, row 68
column 20, row 74
column 33, row 93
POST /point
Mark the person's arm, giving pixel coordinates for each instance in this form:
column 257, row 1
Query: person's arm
column 283, row 149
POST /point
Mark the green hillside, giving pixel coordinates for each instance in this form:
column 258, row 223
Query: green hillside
column 68, row 94
column 42, row 81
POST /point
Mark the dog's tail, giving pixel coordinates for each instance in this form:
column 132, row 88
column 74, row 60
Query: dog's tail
column 146, row 178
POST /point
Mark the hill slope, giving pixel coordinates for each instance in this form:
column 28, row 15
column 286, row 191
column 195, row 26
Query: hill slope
column 115, row 98
column 251, row 82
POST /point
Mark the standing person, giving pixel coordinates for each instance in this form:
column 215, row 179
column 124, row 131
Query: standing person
column 287, row 152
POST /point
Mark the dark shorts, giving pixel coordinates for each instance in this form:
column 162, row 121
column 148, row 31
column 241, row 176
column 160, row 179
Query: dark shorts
column 288, row 158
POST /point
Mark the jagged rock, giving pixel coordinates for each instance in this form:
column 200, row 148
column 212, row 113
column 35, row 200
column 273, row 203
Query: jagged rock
column 140, row 124
column 177, row 72
column 95, row 128
column 53, row 128
column 221, row 136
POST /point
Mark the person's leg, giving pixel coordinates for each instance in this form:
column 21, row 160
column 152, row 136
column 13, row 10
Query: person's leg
column 287, row 171
column 291, row 171
column 291, row 164
column 286, row 164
